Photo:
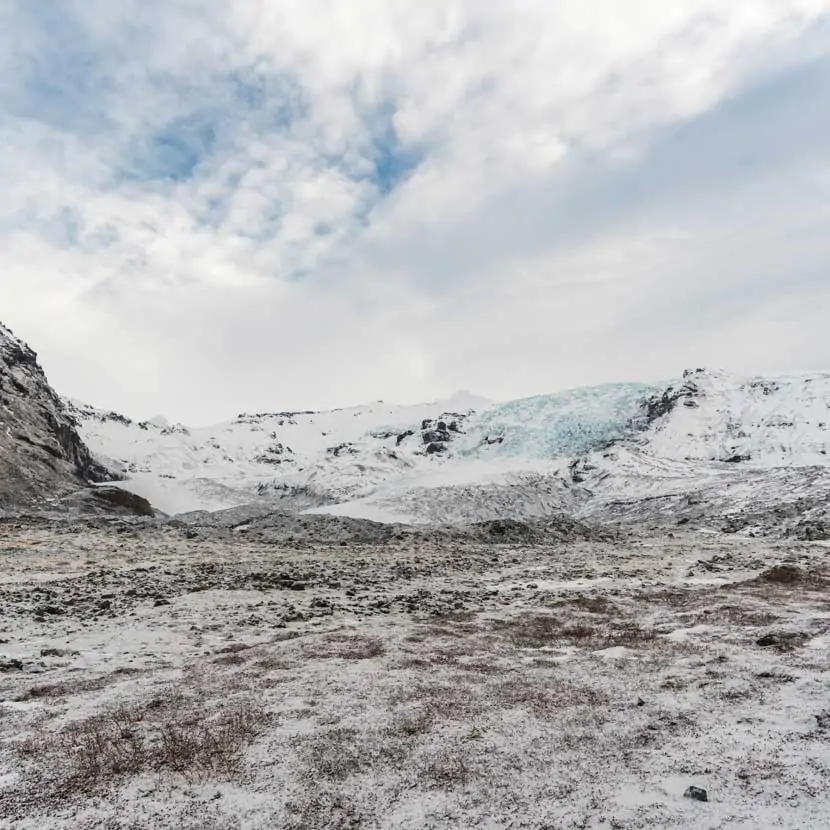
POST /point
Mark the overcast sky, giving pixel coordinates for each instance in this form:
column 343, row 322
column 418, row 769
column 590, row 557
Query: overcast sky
column 213, row 206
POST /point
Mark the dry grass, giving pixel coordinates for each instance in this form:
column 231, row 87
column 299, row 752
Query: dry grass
column 590, row 604
column 272, row 669
column 230, row 660
column 537, row 631
column 77, row 687
column 409, row 724
column 344, row 647
column 447, row 770
column 452, row 698
column 175, row 734
column 547, row 697
column 334, row 754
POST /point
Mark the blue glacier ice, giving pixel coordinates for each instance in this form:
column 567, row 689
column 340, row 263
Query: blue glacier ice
column 563, row 424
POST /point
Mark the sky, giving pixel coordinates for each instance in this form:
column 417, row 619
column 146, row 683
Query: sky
column 254, row 205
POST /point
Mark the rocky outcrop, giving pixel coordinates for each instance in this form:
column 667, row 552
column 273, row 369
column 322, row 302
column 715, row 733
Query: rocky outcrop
column 685, row 393
column 42, row 457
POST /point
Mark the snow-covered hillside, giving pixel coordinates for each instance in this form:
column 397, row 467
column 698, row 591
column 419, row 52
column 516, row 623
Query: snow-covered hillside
column 311, row 459
column 463, row 459
column 766, row 422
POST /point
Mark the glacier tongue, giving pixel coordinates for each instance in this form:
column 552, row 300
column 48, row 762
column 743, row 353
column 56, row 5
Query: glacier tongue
column 565, row 424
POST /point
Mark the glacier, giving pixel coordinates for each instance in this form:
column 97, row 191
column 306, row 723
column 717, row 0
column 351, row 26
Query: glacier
column 563, row 424
column 622, row 450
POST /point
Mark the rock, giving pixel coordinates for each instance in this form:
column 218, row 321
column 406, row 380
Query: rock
column 783, row 640
column 42, row 456
column 811, row 531
column 341, row 450
column 784, row 574
column 434, row 448
column 823, row 720
column 696, row 794
column 116, row 497
column 160, row 601
column 434, row 436
column 12, row 664
column 297, row 586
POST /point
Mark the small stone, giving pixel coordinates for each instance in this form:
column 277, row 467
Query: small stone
column 640, row 702
column 696, row 794
column 159, row 601
column 297, row 586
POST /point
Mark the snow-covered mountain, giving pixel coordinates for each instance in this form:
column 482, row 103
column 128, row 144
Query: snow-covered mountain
column 763, row 422
column 709, row 449
column 312, row 459
column 619, row 450
column 736, row 454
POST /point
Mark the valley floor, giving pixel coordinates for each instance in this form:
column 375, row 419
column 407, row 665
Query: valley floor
column 152, row 680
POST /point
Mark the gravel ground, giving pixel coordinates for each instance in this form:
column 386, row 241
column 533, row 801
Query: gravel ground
column 161, row 677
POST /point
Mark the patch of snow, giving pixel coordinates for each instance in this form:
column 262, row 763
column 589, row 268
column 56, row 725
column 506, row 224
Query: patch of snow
column 614, row 653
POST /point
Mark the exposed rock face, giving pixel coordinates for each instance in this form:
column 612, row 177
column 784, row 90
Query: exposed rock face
column 657, row 406
column 111, row 501
column 41, row 455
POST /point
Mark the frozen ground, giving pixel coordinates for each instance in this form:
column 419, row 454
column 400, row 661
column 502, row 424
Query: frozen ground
column 167, row 678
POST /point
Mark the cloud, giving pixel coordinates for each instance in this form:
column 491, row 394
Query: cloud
column 217, row 206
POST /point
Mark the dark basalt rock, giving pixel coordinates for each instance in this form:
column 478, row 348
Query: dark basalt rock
column 696, row 794
column 783, row 640
column 117, row 497
column 432, row 436
column 341, row 449
column 41, row 454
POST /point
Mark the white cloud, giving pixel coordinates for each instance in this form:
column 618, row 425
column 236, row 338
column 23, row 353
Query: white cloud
column 215, row 206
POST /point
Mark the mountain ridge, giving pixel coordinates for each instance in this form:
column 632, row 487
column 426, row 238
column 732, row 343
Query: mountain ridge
column 711, row 449
column 579, row 452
